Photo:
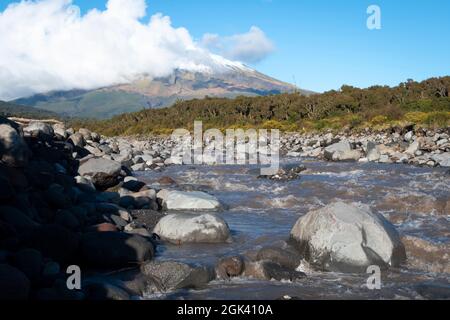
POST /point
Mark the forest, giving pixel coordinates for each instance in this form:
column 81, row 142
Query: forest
column 425, row 103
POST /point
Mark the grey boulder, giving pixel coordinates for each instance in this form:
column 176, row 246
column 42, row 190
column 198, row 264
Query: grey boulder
column 171, row 275
column 14, row 151
column 192, row 228
column 104, row 173
column 347, row 238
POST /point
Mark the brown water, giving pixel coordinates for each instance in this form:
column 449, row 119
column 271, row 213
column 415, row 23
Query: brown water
column 262, row 212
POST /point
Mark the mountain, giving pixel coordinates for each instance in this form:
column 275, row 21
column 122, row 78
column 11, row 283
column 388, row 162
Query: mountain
column 229, row 79
column 13, row 110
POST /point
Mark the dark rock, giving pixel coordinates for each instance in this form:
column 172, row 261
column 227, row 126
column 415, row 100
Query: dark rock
column 102, row 227
column 115, row 249
column 133, row 185
column 118, row 221
column 170, row 275
column 166, row 181
column 267, row 270
column 68, row 220
column 29, row 261
column 40, row 130
column 20, row 221
column 6, row 189
column 57, row 197
column 55, row 242
column 230, row 267
column 102, row 290
column 434, row 291
column 288, row 259
column 14, row 151
column 77, row 140
column 14, row 285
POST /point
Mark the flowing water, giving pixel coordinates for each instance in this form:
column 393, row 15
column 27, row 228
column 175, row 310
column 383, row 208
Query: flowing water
column 261, row 212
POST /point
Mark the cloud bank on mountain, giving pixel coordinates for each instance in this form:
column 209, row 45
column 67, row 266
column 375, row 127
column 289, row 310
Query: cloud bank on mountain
column 48, row 45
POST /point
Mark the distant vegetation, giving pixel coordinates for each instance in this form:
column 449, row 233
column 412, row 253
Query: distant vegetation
column 13, row 110
column 426, row 103
column 91, row 104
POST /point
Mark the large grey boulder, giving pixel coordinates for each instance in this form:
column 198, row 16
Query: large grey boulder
column 443, row 159
column 331, row 152
column 39, row 130
column 60, row 130
column 85, row 133
column 14, row 151
column 192, row 228
column 77, row 140
column 195, row 200
column 104, row 173
column 347, row 238
column 171, row 275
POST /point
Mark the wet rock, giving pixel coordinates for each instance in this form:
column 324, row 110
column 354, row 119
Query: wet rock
column 340, row 147
column 13, row 149
column 102, row 291
column 286, row 174
column 14, row 285
column 427, row 256
column 192, row 228
column 434, row 291
column 267, row 270
column 347, row 238
column 104, row 173
column 352, row 155
column 138, row 167
column 230, row 267
column 285, row 258
column 166, row 181
column 115, row 249
column 196, row 200
column 171, row 275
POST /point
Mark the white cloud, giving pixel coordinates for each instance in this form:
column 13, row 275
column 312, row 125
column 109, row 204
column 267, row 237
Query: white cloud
column 250, row 47
column 48, row 45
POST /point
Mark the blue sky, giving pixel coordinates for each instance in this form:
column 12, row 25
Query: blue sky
column 324, row 44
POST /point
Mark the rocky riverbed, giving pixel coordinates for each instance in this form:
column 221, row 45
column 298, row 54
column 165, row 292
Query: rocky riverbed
column 141, row 225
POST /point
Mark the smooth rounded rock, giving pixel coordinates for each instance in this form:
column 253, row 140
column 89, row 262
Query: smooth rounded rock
column 192, row 228
column 347, row 238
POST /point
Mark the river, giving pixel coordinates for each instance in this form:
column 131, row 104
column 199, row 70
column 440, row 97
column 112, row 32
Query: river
column 261, row 212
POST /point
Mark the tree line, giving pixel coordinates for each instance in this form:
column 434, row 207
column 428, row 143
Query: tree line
column 424, row 102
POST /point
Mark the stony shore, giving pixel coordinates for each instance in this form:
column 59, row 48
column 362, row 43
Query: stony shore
column 70, row 198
